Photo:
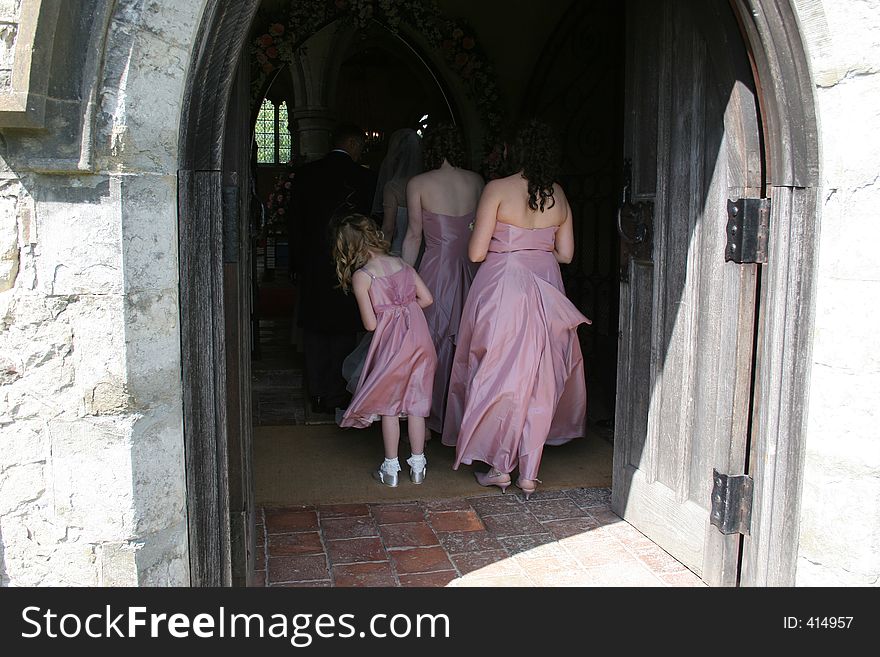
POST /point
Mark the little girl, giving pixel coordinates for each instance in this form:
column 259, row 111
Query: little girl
column 398, row 373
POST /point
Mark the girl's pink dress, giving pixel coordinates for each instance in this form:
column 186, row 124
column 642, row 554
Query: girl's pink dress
column 398, row 373
column 518, row 377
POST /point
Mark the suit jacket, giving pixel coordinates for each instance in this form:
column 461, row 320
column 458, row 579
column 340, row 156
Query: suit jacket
column 321, row 189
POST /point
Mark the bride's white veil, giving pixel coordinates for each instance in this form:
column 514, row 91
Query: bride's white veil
column 402, row 161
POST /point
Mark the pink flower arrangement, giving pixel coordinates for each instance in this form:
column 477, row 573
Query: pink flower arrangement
column 277, row 202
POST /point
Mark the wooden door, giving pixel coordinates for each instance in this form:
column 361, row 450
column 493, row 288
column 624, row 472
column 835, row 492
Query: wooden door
column 686, row 315
column 577, row 88
column 238, row 301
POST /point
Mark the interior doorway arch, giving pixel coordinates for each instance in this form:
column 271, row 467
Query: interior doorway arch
column 770, row 31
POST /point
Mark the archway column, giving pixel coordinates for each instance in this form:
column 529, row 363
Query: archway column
column 313, row 127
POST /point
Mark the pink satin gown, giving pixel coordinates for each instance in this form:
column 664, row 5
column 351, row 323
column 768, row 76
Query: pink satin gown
column 517, row 377
column 398, row 373
column 448, row 274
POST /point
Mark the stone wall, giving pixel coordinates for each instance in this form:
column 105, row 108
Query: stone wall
column 92, row 481
column 840, row 524
column 9, row 16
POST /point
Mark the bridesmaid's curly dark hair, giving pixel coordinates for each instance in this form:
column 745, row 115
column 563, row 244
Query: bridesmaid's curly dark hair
column 443, row 141
column 536, row 152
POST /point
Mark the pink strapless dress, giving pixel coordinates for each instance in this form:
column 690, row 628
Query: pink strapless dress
column 517, row 377
column 398, row 373
column 448, row 274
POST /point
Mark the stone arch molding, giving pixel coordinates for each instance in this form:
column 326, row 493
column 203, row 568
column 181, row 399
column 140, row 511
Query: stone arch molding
column 106, row 85
column 770, row 29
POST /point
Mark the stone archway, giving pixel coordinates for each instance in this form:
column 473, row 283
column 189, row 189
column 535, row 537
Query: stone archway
column 785, row 325
column 780, row 64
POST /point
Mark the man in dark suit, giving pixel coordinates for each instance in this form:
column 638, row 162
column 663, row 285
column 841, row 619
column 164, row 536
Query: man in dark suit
column 329, row 318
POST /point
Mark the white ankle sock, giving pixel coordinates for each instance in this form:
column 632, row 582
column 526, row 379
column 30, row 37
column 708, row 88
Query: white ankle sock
column 391, row 466
column 417, row 462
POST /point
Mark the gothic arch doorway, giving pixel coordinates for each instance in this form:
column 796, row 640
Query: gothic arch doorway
column 209, row 190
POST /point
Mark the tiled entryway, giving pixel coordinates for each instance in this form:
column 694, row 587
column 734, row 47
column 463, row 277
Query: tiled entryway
column 557, row 538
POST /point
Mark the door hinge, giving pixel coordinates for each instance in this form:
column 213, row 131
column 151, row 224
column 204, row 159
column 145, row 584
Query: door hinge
column 731, row 503
column 748, row 229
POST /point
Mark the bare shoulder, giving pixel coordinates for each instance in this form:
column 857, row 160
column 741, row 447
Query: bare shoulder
column 506, row 185
column 418, row 180
column 474, row 176
column 497, row 186
column 558, row 191
column 361, row 278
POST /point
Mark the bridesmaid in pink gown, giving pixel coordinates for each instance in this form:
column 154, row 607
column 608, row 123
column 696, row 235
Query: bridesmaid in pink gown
column 398, row 372
column 517, row 378
column 442, row 203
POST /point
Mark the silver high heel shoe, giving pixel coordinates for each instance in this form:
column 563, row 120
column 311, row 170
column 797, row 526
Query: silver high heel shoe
column 385, row 478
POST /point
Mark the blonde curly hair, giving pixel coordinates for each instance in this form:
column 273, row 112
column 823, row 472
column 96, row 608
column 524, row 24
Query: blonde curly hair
column 354, row 236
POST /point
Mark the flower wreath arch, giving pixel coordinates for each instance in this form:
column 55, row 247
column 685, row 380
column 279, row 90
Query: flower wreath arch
column 280, row 32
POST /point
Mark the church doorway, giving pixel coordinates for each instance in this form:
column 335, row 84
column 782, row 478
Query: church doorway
column 633, row 103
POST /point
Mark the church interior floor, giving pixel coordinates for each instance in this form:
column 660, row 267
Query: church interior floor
column 323, row 522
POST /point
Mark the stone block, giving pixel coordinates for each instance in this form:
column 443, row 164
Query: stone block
column 80, row 246
column 152, row 349
column 20, row 485
column 72, row 564
column 162, row 558
column 173, row 22
column 851, row 147
column 840, row 529
column 157, row 472
column 91, row 475
column 23, row 443
column 844, row 413
column 118, row 564
column 29, row 562
column 8, row 34
column 8, row 235
column 98, row 354
column 149, row 231
column 849, row 233
column 853, row 343
column 137, row 127
column 859, row 50
column 9, row 10
column 38, row 369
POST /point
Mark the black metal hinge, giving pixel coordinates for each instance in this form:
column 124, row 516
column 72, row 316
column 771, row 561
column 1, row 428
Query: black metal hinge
column 731, row 503
column 748, row 229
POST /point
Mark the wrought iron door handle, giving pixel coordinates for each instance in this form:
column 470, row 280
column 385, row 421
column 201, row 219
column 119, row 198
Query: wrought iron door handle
column 641, row 229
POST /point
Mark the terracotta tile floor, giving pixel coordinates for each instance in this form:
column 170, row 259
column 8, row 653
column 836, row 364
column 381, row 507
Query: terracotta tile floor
column 557, row 538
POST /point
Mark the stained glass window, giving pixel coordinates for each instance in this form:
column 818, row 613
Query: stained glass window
column 272, row 133
column 283, row 135
column 265, row 133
